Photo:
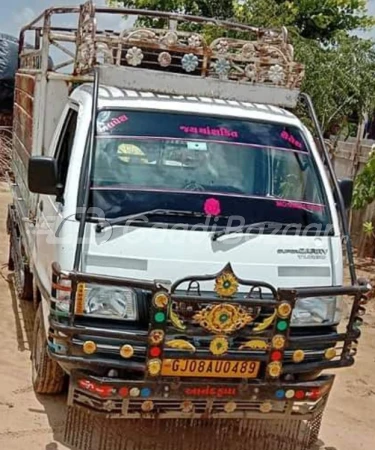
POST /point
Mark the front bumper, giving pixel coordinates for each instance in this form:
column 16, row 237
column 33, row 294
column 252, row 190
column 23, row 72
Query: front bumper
column 254, row 327
column 117, row 398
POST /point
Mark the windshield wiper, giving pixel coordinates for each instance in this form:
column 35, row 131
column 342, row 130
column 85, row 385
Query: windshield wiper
column 153, row 212
column 266, row 225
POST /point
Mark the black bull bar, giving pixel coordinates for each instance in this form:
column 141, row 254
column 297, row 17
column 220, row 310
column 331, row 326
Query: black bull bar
column 189, row 324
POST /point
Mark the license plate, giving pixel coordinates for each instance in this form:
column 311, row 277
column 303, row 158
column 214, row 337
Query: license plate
column 209, row 368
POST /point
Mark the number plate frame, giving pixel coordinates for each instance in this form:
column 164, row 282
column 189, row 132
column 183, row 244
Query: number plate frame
column 209, row 368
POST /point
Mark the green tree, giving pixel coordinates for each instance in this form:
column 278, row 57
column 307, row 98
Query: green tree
column 364, row 189
column 340, row 68
column 312, row 19
column 339, row 78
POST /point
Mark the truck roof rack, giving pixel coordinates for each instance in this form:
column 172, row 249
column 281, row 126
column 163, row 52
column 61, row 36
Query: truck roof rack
column 256, row 65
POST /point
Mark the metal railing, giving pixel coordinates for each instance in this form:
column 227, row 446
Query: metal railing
column 260, row 57
column 6, row 139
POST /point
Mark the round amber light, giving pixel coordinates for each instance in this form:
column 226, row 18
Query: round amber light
column 298, row 356
column 284, row 310
column 147, row 406
column 230, row 407
column 156, row 337
column 89, row 347
column 161, row 300
column 330, row 353
column 274, row 369
column 126, row 351
column 265, row 407
column 278, row 342
column 187, row 406
column 154, row 367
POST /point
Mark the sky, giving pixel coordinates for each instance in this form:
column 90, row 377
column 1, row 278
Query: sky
column 15, row 13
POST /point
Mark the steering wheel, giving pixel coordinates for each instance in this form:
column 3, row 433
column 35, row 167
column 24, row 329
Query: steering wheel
column 193, row 186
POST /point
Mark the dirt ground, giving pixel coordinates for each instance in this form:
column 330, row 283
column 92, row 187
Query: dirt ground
column 34, row 423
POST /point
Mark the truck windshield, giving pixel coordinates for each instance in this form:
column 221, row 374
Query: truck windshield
column 223, row 167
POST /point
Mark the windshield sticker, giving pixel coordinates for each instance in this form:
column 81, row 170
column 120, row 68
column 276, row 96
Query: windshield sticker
column 300, row 205
column 212, row 207
column 126, row 151
column 291, row 139
column 113, row 123
column 208, row 131
column 201, row 146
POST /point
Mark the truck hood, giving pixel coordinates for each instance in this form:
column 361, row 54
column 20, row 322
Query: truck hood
column 150, row 253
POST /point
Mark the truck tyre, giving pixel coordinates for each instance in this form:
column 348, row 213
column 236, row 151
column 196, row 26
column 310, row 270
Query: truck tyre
column 37, row 298
column 10, row 257
column 47, row 376
column 9, row 231
column 23, row 278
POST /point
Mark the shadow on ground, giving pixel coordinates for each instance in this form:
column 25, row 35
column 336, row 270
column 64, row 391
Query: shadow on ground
column 78, row 430
column 54, row 407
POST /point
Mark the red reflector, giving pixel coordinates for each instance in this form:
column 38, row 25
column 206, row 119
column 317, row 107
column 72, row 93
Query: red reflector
column 315, row 394
column 299, row 395
column 155, row 352
column 61, row 287
column 124, row 392
column 103, row 391
column 86, row 384
column 276, row 356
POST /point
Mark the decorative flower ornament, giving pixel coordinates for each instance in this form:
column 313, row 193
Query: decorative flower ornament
column 189, row 62
column 170, row 38
column 134, row 56
column 250, row 72
column 195, row 40
column 226, row 285
column 164, row 59
column 276, row 74
column 222, row 46
column 222, row 67
column 223, row 318
column 248, row 51
column 219, row 346
column 212, row 207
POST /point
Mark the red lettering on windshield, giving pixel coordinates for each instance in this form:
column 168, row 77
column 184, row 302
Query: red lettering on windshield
column 300, row 205
column 208, row 131
column 291, row 139
column 113, row 123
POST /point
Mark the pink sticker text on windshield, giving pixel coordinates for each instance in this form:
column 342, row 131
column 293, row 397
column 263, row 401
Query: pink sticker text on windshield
column 113, row 123
column 300, row 205
column 291, row 139
column 208, row 131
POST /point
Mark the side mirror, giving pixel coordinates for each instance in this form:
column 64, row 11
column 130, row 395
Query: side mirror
column 346, row 186
column 42, row 175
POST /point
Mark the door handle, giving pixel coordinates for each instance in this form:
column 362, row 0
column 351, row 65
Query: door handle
column 41, row 206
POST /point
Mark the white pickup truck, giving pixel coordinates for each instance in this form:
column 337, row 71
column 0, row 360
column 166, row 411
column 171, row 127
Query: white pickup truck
column 177, row 226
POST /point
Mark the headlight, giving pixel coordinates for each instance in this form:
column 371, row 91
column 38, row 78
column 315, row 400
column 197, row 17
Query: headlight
column 317, row 311
column 110, row 302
